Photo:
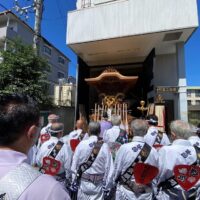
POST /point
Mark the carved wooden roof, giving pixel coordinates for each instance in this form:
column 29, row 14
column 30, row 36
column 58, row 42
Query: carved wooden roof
column 111, row 81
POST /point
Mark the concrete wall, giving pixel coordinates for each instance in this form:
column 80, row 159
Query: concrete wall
column 3, row 32
column 24, row 33
column 130, row 17
column 165, row 74
column 67, row 116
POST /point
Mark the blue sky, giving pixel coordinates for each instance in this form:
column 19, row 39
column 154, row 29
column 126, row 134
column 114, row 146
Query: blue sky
column 54, row 30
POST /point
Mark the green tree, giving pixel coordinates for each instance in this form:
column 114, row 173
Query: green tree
column 21, row 70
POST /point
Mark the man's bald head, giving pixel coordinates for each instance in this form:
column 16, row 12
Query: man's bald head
column 52, row 118
column 79, row 124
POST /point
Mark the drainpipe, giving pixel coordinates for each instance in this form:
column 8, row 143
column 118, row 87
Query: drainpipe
column 7, row 26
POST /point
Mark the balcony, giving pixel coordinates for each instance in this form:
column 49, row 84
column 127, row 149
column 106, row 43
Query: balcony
column 127, row 30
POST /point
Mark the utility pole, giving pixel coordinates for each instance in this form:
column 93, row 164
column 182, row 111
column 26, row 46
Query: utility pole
column 37, row 26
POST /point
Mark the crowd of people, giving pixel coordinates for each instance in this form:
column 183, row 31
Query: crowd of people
column 100, row 162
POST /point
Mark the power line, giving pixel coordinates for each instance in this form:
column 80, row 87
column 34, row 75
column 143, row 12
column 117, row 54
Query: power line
column 23, row 11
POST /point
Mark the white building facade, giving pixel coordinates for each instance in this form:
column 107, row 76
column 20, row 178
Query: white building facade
column 12, row 27
column 138, row 37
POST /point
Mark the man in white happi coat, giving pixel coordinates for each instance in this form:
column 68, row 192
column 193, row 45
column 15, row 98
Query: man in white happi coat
column 115, row 136
column 19, row 130
column 173, row 178
column 92, row 166
column 56, row 149
column 154, row 137
column 44, row 133
column 127, row 156
column 78, row 133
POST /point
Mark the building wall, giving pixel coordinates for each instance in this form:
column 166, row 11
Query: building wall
column 2, row 32
column 54, row 65
column 165, row 74
column 24, row 33
column 130, row 17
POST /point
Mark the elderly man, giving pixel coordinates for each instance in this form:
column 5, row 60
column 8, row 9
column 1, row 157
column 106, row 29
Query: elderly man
column 19, row 130
column 92, row 165
column 154, row 137
column 44, row 133
column 115, row 136
column 178, row 178
column 54, row 149
column 127, row 157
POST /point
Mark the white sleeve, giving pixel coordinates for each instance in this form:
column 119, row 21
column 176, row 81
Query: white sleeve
column 118, row 164
column 165, row 170
column 109, row 167
column 75, row 161
column 67, row 160
column 105, row 136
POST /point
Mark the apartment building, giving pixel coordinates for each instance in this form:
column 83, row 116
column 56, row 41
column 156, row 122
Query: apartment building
column 12, row 27
column 65, row 95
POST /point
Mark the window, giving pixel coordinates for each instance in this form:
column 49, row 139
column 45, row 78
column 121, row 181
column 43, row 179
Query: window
column 47, row 50
column 197, row 93
column 198, row 102
column 13, row 26
column 61, row 75
column 61, row 60
column 189, row 102
column 189, row 93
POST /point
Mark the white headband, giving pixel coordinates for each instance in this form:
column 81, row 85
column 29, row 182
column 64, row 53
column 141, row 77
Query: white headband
column 58, row 131
column 152, row 120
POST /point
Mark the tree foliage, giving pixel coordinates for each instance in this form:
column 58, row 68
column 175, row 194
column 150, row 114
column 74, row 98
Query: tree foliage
column 21, row 70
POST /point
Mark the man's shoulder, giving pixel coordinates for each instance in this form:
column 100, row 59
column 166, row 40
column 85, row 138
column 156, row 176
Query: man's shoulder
column 65, row 138
column 74, row 133
column 53, row 190
column 47, row 178
column 171, row 150
column 49, row 143
column 111, row 130
column 84, row 143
